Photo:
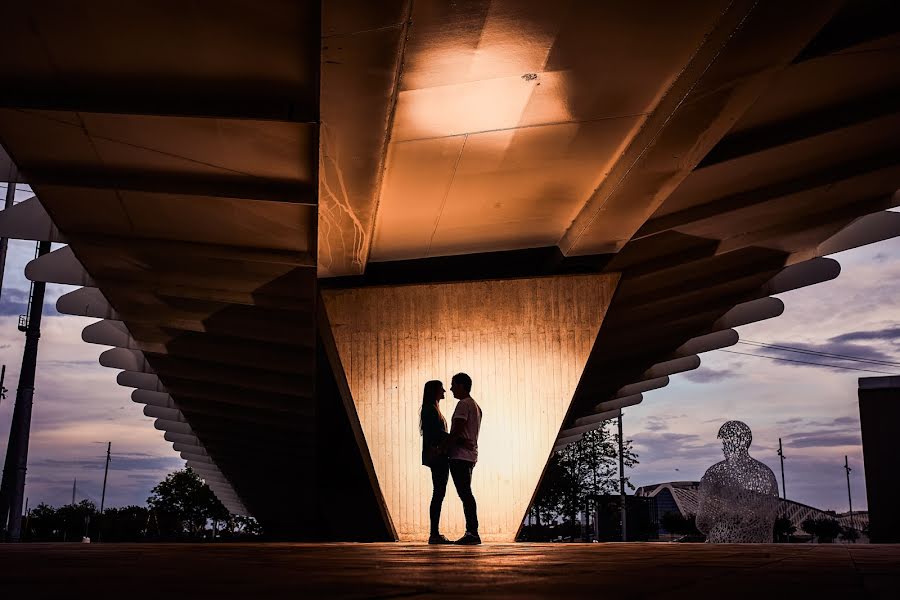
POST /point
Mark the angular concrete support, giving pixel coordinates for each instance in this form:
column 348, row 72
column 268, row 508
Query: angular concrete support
column 87, row 302
column 863, row 231
column 60, row 266
column 28, row 220
column 524, row 342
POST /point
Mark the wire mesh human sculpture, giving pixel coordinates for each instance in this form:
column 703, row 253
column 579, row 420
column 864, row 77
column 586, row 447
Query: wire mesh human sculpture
column 739, row 495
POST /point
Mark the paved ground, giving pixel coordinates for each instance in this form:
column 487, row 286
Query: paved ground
column 417, row 571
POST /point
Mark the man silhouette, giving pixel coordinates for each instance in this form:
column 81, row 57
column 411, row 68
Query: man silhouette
column 462, row 449
column 739, row 495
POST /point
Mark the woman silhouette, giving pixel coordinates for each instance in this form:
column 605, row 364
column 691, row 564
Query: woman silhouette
column 433, row 427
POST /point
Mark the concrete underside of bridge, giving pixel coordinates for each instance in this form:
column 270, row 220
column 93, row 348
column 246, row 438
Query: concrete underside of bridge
column 270, row 207
column 491, row 571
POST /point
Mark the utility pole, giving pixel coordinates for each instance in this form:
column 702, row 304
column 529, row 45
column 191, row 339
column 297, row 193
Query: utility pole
column 781, row 456
column 11, row 178
column 12, row 488
column 74, row 481
column 105, row 473
column 2, row 387
column 622, row 477
column 849, row 498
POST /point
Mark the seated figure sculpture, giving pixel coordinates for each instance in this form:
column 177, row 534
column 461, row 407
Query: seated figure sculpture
column 739, row 495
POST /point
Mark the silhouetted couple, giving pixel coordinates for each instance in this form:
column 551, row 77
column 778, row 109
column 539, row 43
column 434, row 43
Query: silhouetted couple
column 454, row 453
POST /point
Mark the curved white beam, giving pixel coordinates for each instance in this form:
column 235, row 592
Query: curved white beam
column 670, row 367
column 190, row 448
column 60, row 266
column 810, row 272
column 150, row 398
column 707, row 343
column 750, row 312
column 162, row 412
column 87, row 302
column 582, row 429
column 28, row 220
column 182, row 438
column 640, row 387
column 109, row 333
column 200, row 458
column 173, row 426
column 141, row 381
column 127, row 359
column 608, row 405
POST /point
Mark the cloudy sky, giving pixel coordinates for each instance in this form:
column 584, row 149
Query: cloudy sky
column 79, row 408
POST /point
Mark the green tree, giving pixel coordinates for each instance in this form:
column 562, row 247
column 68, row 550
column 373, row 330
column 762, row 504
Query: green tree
column 182, row 505
column 783, row 529
column 125, row 524
column 575, row 474
column 827, row 530
column 810, row 526
column 849, row 534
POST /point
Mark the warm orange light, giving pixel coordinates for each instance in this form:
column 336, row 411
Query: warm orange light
column 525, row 344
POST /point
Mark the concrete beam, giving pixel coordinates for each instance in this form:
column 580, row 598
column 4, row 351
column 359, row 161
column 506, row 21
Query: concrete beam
column 597, row 423
column 750, row 312
column 803, row 274
column 614, row 404
column 127, row 359
column 639, row 387
column 173, row 426
column 87, row 302
column 670, row 367
column 863, row 231
column 182, row 438
column 141, row 381
column 707, row 343
column 151, row 398
column 60, row 266
column 28, row 220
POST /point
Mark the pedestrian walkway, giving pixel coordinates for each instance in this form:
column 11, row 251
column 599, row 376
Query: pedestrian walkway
column 160, row 571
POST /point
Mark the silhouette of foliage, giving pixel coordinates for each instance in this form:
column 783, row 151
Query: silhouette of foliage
column 783, row 529
column 581, row 470
column 180, row 507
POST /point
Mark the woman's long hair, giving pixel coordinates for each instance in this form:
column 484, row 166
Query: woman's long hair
column 429, row 401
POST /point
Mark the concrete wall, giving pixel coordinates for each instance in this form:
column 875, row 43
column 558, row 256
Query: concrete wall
column 524, row 342
column 879, row 413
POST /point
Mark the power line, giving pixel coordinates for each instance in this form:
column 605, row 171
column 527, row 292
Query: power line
column 804, row 362
column 818, row 353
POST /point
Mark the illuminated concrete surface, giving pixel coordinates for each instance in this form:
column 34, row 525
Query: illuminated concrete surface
column 212, row 187
column 524, row 342
column 492, row 571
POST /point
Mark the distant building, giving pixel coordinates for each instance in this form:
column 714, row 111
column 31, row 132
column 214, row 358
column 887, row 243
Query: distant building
column 683, row 497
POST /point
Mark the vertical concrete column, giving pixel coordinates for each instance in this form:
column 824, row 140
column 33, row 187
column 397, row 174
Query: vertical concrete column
column 879, row 414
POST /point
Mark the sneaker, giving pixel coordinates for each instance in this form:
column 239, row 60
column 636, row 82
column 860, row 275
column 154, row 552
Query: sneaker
column 438, row 539
column 470, row 539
